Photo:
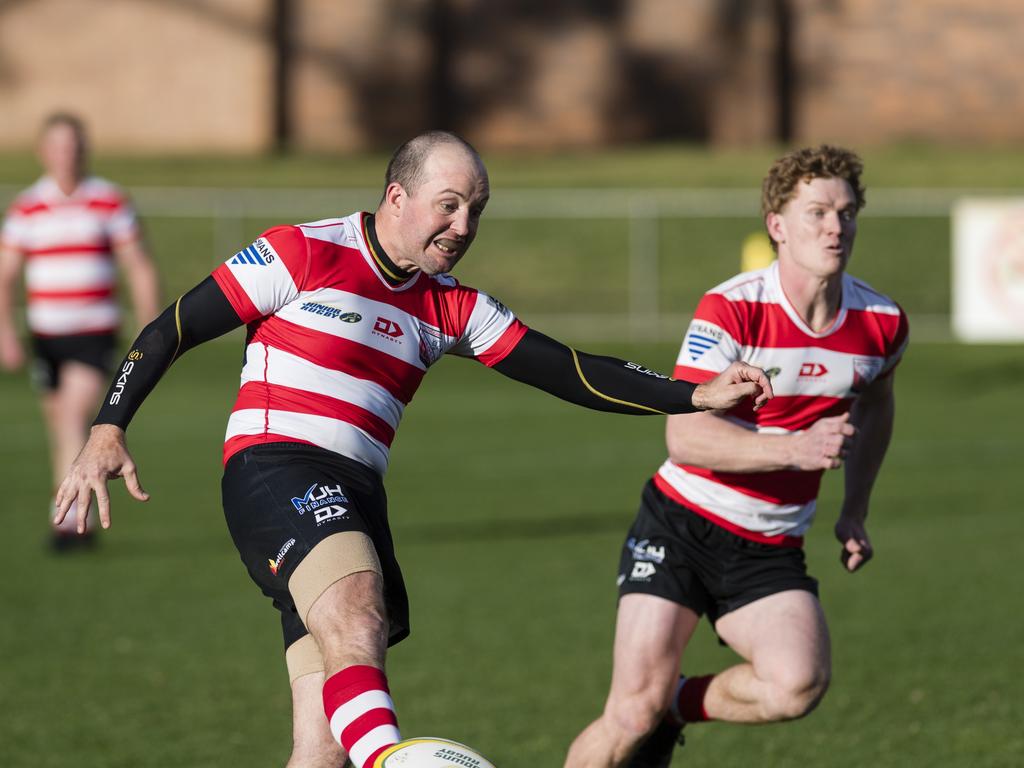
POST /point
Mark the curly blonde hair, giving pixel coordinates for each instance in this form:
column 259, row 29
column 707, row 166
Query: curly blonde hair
column 823, row 162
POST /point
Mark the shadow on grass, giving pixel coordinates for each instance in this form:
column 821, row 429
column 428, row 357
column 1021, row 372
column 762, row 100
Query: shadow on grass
column 410, row 534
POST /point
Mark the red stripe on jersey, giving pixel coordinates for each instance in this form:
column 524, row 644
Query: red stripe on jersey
column 236, row 295
column 780, row 540
column 293, row 249
column 241, row 442
column 260, row 395
column 792, row 412
column 784, row 486
column 72, row 249
column 508, row 341
column 398, row 377
column 105, row 204
column 94, row 293
column 28, row 209
column 764, row 324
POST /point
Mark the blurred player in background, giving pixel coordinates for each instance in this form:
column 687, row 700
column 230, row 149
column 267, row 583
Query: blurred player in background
column 720, row 527
column 345, row 316
column 70, row 232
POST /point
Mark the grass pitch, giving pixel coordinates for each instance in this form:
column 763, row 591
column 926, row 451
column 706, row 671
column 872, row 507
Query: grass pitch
column 509, row 508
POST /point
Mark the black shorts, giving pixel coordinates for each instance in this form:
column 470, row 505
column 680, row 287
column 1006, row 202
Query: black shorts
column 282, row 499
column 674, row 553
column 50, row 352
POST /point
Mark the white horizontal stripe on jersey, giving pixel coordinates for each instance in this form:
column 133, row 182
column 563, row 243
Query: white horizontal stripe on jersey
column 58, row 318
column 275, row 366
column 808, row 371
column 756, row 515
column 354, row 707
column 71, row 273
column 63, row 226
column 331, row 434
column 382, row 327
column 487, row 322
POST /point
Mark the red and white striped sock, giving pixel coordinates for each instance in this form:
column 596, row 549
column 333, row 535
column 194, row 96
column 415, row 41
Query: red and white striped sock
column 362, row 716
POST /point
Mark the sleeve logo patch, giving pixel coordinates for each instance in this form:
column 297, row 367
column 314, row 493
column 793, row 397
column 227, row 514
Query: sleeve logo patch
column 259, row 254
column 700, row 338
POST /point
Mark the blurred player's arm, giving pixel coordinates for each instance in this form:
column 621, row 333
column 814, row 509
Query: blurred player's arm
column 202, row 314
column 713, row 442
column 142, row 278
column 12, row 356
column 873, row 414
column 618, row 386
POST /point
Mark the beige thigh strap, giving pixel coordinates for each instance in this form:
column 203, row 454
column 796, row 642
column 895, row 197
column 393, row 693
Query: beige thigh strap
column 334, row 558
column 303, row 658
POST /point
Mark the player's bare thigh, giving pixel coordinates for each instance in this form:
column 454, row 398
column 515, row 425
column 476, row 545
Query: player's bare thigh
column 650, row 635
column 785, row 638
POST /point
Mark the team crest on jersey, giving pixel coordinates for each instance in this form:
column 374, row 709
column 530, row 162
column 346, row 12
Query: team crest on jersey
column 865, row 370
column 259, row 254
column 431, row 344
column 700, row 338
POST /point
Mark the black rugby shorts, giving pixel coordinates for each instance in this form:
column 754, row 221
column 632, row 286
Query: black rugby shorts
column 674, row 553
column 50, row 352
column 282, row 499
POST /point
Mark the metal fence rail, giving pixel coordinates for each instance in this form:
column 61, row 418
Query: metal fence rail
column 642, row 209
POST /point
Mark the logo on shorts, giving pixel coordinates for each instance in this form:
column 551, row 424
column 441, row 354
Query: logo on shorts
column 642, row 571
column 324, row 501
column 643, row 551
column 275, row 564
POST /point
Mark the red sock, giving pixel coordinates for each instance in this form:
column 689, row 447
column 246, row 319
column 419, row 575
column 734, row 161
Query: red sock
column 688, row 705
column 361, row 713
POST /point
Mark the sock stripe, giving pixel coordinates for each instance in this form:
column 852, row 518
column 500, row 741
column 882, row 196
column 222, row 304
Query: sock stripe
column 354, row 708
column 366, row 722
column 349, row 683
column 370, row 745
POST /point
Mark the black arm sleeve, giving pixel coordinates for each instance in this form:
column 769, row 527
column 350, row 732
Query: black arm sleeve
column 200, row 315
column 601, row 383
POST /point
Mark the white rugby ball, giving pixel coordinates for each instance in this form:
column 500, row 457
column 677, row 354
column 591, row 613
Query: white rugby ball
column 430, row 753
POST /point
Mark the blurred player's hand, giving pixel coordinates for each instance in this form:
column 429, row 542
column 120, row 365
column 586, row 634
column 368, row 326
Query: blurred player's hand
column 12, row 355
column 731, row 386
column 853, row 536
column 104, row 456
column 824, row 445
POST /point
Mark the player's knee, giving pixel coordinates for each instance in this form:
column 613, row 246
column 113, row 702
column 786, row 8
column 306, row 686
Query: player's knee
column 796, row 694
column 634, row 716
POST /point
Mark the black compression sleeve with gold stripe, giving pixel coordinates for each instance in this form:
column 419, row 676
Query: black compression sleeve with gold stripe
column 593, row 381
column 200, row 315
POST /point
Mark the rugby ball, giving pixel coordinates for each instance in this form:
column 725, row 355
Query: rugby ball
column 430, row 753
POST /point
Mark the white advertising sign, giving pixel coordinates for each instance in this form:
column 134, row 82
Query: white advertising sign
column 988, row 269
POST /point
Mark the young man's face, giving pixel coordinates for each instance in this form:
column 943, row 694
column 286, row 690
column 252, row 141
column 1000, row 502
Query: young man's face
column 816, row 228
column 62, row 152
column 438, row 220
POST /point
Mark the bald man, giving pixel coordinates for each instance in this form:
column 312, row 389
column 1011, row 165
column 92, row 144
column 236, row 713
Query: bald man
column 344, row 317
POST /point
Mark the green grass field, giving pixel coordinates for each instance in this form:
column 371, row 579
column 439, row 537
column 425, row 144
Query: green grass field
column 509, row 509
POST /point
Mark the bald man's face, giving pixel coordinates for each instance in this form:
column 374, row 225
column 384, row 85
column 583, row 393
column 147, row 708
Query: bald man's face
column 436, row 223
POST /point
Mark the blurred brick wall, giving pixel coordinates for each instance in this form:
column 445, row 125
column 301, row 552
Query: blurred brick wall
column 876, row 70
column 167, row 74
column 198, row 75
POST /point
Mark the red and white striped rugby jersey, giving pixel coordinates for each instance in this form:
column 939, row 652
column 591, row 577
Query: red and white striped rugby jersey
column 334, row 352
column 67, row 242
column 813, row 375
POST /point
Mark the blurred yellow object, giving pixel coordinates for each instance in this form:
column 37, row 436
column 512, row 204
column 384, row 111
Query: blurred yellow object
column 757, row 252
